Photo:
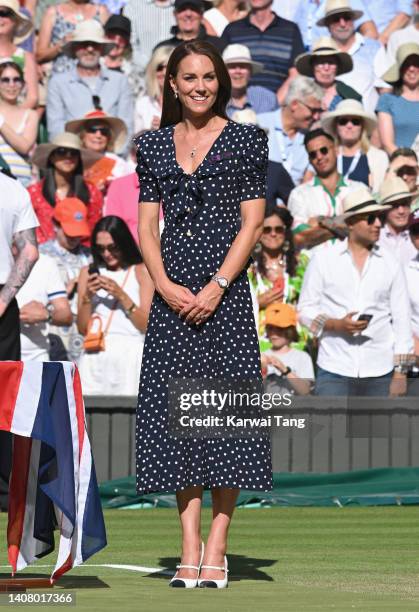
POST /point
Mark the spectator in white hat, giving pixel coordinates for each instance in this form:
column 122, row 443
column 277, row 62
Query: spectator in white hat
column 354, row 298
column 72, row 94
column 394, row 236
column 222, row 13
column 339, row 18
column 240, row 67
column 352, row 126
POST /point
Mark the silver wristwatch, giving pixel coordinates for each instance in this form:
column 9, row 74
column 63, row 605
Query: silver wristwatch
column 221, row 281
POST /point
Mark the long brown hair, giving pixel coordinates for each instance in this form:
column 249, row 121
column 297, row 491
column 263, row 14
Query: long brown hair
column 172, row 108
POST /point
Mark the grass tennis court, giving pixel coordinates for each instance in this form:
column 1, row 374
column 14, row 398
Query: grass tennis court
column 282, row 559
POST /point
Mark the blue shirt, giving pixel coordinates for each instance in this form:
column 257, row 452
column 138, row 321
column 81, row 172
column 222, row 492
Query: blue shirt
column 405, row 115
column 259, row 99
column 276, row 47
column 290, row 152
column 70, row 97
column 308, row 13
column 385, row 10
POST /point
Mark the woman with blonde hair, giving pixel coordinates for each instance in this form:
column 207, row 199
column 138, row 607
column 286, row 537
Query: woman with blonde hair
column 149, row 107
column 358, row 160
column 222, row 13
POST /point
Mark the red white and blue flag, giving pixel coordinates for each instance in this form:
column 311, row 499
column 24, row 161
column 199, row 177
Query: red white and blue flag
column 53, row 483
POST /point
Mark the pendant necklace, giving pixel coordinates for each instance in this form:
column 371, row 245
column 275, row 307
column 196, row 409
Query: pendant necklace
column 193, row 152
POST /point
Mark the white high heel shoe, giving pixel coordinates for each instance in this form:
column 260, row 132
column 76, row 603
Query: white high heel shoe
column 187, row 583
column 211, row 583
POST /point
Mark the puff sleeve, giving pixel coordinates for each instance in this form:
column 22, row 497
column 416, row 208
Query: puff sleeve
column 149, row 187
column 254, row 166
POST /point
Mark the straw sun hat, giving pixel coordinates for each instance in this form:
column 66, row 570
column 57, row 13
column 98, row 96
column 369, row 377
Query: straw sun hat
column 323, row 47
column 359, row 202
column 67, row 140
column 23, row 24
column 240, row 54
column 88, row 31
column 118, row 127
column 348, row 108
column 334, row 7
column 394, row 189
column 392, row 75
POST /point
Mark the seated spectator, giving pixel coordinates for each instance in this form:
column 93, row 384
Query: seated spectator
column 308, row 12
column 394, row 236
column 42, row 301
column 276, row 274
column 118, row 30
column 63, row 161
column 102, row 134
column 404, row 163
column 288, row 124
column 189, row 26
column 57, row 29
column 71, row 94
column 324, row 64
column 339, row 18
column 354, row 299
column 149, row 106
column 409, row 34
column 18, row 126
column 240, row 67
column 222, row 13
column 389, row 16
column 285, row 369
column 316, row 204
column 412, row 277
column 15, row 26
column 358, row 160
column 118, row 293
column 398, row 112
column 272, row 41
column 69, row 218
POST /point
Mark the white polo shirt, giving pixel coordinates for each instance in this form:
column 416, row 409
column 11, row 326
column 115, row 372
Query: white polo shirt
column 412, row 276
column 332, row 287
column 16, row 215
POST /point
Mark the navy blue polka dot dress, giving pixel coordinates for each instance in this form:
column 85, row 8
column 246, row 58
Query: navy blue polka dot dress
column 201, row 215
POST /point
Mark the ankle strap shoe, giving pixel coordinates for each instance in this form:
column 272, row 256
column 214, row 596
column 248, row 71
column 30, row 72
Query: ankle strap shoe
column 187, row 583
column 215, row 584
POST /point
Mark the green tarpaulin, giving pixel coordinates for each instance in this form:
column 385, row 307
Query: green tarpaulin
column 373, row 487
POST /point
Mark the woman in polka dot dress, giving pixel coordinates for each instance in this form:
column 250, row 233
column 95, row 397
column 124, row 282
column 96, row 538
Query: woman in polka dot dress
column 209, row 172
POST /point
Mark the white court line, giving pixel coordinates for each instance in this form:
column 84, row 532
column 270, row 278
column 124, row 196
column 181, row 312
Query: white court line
column 132, row 568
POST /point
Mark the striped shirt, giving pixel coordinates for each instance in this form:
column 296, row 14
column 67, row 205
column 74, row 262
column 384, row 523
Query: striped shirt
column 276, row 47
column 19, row 165
column 151, row 23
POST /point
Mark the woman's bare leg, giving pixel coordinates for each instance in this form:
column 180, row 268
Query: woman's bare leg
column 223, row 504
column 189, row 507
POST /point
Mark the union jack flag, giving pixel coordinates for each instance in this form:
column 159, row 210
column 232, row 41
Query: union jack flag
column 53, row 483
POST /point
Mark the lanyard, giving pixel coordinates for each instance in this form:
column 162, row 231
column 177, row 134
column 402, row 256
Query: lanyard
column 287, row 160
column 353, row 165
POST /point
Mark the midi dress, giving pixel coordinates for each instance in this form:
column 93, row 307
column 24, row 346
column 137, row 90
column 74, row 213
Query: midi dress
column 202, row 219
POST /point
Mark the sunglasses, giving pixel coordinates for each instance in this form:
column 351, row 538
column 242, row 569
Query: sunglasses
column 6, row 12
column 313, row 154
column 111, row 248
column 371, row 218
column 346, row 120
column 102, row 129
column 64, row 152
column 273, row 229
column 411, row 170
column 7, row 80
column 339, row 16
column 313, row 109
column 161, row 67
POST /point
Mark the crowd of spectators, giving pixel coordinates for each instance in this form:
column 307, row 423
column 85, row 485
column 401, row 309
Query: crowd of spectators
column 335, row 85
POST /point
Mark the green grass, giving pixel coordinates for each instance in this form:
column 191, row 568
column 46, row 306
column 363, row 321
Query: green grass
column 281, row 559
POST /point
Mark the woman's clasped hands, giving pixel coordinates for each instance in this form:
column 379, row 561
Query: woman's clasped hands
column 195, row 309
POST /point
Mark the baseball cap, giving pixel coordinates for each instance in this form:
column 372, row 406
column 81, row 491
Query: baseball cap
column 280, row 315
column 71, row 214
column 198, row 4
